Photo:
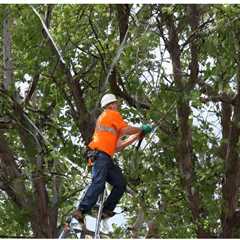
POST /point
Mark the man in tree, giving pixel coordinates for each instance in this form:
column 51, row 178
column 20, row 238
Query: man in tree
column 107, row 139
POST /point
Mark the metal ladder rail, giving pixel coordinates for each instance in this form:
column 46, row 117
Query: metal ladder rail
column 73, row 230
column 64, row 234
column 72, row 225
column 99, row 216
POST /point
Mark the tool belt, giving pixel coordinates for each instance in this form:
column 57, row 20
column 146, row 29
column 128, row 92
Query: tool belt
column 91, row 157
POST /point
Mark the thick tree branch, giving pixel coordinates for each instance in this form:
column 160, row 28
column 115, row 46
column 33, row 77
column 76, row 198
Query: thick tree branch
column 7, row 57
column 214, row 95
column 34, row 145
column 226, row 114
column 85, row 122
column 232, row 162
column 30, row 138
column 232, row 165
column 101, row 53
column 36, row 76
column 184, row 147
column 6, row 123
column 160, row 26
column 13, row 181
column 193, row 16
column 48, row 14
column 195, row 34
column 115, row 80
column 123, row 11
column 32, row 89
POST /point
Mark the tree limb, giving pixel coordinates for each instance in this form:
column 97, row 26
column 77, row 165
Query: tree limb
column 48, row 14
column 7, row 57
column 184, row 146
column 85, row 121
column 11, row 177
column 123, row 11
column 214, row 95
column 232, row 163
column 32, row 88
column 6, row 123
column 193, row 16
column 114, row 80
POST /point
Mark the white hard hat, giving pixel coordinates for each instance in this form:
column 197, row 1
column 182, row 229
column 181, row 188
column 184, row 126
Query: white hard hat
column 108, row 98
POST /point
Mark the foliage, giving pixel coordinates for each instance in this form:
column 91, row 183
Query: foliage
column 87, row 37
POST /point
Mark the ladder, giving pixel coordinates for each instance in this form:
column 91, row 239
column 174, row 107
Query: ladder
column 78, row 230
column 75, row 230
column 99, row 216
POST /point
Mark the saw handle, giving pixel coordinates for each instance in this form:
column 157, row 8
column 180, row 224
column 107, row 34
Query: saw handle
column 141, row 136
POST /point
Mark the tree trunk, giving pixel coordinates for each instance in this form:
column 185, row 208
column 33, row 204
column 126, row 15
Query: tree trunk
column 184, row 147
column 232, row 166
column 33, row 142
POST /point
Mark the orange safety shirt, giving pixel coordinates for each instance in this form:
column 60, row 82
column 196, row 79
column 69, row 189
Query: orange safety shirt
column 107, row 131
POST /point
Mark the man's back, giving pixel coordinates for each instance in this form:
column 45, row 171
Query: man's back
column 106, row 133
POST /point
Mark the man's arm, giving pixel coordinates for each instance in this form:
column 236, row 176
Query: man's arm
column 130, row 130
column 121, row 144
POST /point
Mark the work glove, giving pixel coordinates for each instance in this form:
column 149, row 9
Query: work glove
column 146, row 128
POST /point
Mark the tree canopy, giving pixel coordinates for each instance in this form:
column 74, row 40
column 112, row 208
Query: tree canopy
column 176, row 67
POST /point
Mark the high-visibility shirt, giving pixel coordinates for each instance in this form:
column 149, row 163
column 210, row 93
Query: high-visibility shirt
column 107, row 131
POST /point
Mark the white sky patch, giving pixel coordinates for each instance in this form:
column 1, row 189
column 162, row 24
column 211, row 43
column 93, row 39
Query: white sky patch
column 23, row 86
column 208, row 115
column 107, row 225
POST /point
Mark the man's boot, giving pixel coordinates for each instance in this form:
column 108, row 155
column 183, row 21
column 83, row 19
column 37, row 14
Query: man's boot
column 107, row 214
column 79, row 216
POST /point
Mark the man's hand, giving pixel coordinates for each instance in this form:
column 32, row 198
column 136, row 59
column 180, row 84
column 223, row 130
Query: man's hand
column 146, row 128
column 121, row 144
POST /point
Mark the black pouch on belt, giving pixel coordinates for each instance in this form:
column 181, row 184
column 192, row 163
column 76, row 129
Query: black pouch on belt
column 91, row 157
